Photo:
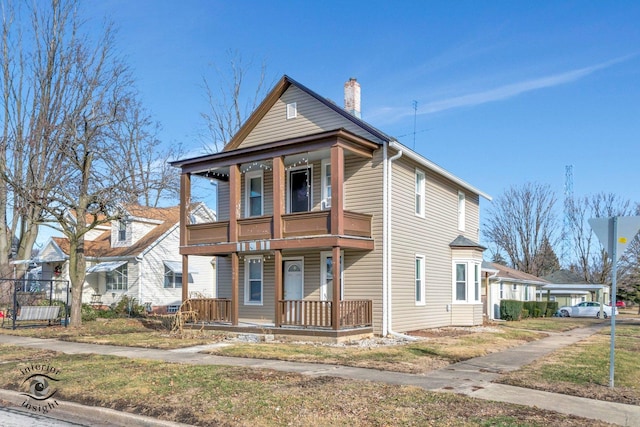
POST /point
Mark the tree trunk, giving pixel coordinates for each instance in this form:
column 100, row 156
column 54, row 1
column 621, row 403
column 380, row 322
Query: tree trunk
column 77, row 268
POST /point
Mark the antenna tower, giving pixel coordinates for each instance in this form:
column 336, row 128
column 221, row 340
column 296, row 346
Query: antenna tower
column 415, row 111
column 568, row 199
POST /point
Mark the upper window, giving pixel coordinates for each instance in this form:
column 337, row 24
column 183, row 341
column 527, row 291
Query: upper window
column 253, row 280
column 117, row 279
column 420, row 193
column 254, row 191
column 461, row 282
column 300, row 190
column 420, row 299
column 326, row 184
column 461, row 210
column 292, row 110
column 122, row 231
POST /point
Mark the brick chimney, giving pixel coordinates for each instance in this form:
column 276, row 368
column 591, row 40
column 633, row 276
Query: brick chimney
column 352, row 97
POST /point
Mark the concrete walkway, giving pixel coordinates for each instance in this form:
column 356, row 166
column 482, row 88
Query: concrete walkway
column 472, row 377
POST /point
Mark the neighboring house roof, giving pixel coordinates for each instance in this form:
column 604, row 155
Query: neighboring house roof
column 464, row 242
column 508, row 274
column 101, row 246
column 564, row 276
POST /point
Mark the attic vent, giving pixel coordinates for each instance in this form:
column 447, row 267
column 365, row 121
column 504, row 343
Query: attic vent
column 292, row 110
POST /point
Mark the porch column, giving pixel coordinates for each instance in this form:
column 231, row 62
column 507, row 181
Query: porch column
column 278, row 196
column 185, row 277
column 337, row 180
column 234, row 201
column 234, row 214
column 337, row 277
column 185, row 202
column 235, row 266
column 278, row 283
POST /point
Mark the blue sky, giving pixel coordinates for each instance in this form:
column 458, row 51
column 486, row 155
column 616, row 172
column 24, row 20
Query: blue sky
column 507, row 92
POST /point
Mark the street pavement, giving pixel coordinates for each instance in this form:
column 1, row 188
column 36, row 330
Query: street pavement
column 472, row 377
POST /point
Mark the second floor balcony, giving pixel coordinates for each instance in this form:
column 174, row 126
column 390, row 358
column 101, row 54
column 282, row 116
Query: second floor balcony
column 290, row 198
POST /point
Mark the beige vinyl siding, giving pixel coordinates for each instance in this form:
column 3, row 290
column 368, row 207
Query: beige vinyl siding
column 363, row 269
column 466, row 314
column 223, row 279
column 223, row 201
column 313, row 117
column 429, row 236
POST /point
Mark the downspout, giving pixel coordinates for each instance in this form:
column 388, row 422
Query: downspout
column 140, row 277
column 387, row 195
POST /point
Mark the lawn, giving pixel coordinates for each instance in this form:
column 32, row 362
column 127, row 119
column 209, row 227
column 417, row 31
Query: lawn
column 231, row 396
column 583, row 369
column 123, row 331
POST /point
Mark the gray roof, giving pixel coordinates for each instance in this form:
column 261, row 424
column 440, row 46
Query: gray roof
column 464, row 242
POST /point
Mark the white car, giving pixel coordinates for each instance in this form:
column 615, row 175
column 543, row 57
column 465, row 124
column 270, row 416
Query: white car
column 586, row 309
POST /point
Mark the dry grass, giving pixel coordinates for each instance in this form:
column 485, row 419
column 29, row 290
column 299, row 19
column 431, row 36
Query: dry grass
column 449, row 345
column 125, row 332
column 583, row 369
column 229, row 396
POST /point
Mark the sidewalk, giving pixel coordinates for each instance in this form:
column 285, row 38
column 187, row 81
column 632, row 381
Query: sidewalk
column 472, row 377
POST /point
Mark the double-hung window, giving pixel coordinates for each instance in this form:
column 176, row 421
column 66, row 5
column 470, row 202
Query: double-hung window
column 461, row 211
column 476, row 282
column 254, row 190
column 466, row 281
column 420, row 192
column 253, row 280
column 172, row 279
column 461, row 282
column 122, row 231
column 420, row 277
column 117, row 279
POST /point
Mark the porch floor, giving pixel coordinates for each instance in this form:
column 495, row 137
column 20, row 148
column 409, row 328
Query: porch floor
column 269, row 332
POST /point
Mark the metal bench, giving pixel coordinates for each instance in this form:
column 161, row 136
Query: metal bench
column 36, row 312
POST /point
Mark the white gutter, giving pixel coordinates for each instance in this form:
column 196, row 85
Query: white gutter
column 387, row 192
column 434, row 167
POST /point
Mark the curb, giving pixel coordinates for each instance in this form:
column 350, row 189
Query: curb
column 95, row 414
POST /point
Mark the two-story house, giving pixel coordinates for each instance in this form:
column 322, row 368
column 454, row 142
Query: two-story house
column 136, row 256
column 328, row 226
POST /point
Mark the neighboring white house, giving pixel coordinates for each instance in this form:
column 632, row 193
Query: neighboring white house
column 137, row 256
column 569, row 288
column 504, row 283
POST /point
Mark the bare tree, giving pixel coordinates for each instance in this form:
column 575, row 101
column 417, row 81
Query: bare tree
column 229, row 106
column 135, row 156
column 591, row 260
column 65, row 92
column 521, row 224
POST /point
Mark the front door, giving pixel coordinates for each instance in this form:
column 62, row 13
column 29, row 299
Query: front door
column 293, row 285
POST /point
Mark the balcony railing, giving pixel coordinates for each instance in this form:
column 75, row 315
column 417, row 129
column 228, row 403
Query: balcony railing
column 315, row 223
column 317, row 314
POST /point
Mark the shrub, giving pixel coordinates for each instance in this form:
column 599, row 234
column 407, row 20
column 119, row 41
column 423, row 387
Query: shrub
column 552, row 307
column 129, row 307
column 542, row 306
column 88, row 313
column 511, row 309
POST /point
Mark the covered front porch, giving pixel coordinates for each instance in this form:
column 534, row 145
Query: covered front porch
column 297, row 318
